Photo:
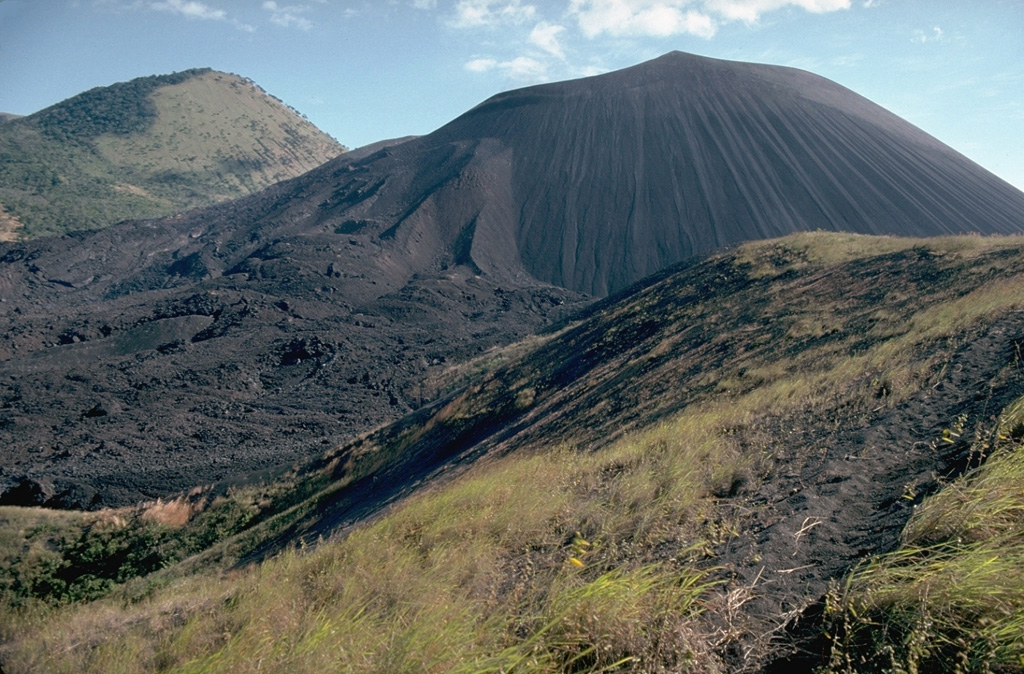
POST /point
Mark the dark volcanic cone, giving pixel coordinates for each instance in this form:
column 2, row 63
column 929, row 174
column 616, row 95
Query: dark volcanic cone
column 590, row 184
column 593, row 184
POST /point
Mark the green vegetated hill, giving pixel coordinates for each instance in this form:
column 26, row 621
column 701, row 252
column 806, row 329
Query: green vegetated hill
column 147, row 148
column 800, row 455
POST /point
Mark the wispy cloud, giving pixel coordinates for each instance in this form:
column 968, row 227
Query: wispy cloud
column 520, row 69
column 750, row 11
column 192, row 9
column 478, row 13
column 424, row 4
column 640, row 18
column 935, row 35
column 664, row 18
column 545, row 36
column 114, row 5
column 545, row 47
column 288, row 16
column 590, row 71
column 481, row 65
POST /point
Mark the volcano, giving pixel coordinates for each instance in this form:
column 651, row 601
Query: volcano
column 150, row 356
column 595, row 183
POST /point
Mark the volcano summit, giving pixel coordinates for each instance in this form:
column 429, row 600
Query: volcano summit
column 157, row 355
column 593, row 184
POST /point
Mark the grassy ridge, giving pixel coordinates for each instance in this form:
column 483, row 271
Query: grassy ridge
column 482, row 576
column 570, row 555
column 149, row 147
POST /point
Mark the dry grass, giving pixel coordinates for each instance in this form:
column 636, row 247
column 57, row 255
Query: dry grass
column 830, row 249
column 173, row 513
column 951, row 599
column 909, row 347
column 461, row 374
column 479, row 576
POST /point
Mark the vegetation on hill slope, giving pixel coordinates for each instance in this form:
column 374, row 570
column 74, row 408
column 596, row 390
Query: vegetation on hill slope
column 122, row 108
column 678, row 481
column 951, row 598
column 147, row 148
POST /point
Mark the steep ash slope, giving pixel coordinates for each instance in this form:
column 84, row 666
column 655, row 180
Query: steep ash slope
column 618, row 176
column 596, row 183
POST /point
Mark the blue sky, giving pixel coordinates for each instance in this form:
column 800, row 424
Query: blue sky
column 365, row 71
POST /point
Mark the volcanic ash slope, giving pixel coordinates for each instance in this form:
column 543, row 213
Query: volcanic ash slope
column 595, row 183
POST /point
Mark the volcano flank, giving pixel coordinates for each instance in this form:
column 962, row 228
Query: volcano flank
column 593, row 184
column 153, row 356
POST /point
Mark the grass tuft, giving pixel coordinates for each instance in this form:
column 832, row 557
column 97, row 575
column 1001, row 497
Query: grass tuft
column 951, row 599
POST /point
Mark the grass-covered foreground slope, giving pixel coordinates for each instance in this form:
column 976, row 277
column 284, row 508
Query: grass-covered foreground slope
column 795, row 455
column 147, row 148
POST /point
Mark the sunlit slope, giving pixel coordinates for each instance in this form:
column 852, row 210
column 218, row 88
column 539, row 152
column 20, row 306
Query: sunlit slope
column 147, row 148
column 678, row 480
column 222, row 128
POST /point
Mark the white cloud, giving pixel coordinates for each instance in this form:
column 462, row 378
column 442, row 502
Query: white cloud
column 479, row 13
column 751, row 10
column 520, row 69
column 592, row 70
column 663, row 18
column 524, row 68
column 542, row 43
column 481, row 65
column 545, row 36
column 288, row 16
column 936, row 35
column 640, row 18
column 115, row 5
column 192, row 9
